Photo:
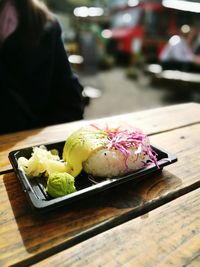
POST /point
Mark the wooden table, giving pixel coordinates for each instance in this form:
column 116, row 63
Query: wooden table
column 155, row 222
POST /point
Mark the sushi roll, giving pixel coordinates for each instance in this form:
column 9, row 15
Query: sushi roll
column 107, row 152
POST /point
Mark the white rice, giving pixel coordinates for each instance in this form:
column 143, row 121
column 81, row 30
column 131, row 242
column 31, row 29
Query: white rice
column 111, row 163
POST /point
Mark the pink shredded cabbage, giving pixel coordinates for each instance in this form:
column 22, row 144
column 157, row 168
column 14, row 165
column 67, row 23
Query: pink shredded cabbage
column 123, row 140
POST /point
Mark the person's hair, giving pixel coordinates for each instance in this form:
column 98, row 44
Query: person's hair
column 32, row 18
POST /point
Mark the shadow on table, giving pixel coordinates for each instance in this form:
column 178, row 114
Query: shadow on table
column 53, row 231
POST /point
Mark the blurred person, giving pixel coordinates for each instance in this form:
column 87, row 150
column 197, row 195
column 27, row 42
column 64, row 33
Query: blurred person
column 37, row 85
column 178, row 52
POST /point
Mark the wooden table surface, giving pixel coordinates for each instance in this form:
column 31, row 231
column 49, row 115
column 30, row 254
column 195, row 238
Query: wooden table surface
column 154, row 222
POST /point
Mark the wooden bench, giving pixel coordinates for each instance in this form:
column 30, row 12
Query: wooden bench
column 167, row 236
column 172, row 75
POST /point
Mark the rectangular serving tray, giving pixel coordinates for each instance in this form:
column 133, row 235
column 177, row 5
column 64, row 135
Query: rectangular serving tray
column 38, row 198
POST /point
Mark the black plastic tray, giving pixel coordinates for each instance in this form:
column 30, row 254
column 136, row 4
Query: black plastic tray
column 86, row 185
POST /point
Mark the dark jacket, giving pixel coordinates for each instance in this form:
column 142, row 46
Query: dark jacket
column 37, row 85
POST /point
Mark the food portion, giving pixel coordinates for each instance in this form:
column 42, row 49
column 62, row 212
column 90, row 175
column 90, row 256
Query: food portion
column 60, row 184
column 98, row 151
column 108, row 152
column 80, row 145
column 42, row 161
column 111, row 163
column 48, row 165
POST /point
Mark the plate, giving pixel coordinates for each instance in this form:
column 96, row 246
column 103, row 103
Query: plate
column 86, row 185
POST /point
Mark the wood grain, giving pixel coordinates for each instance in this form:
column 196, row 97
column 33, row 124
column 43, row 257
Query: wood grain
column 150, row 121
column 27, row 237
column 167, row 236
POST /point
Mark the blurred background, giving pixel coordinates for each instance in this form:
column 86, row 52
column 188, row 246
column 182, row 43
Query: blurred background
column 114, row 47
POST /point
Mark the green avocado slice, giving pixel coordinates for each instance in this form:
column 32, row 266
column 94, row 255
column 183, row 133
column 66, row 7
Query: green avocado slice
column 79, row 146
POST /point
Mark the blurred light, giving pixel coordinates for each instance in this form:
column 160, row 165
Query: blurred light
column 126, row 18
column 185, row 28
column 95, row 11
column 182, row 5
column 180, row 75
column 106, row 34
column 91, row 92
column 75, row 59
column 133, row 2
column 155, row 68
column 174, row 40
column 84, row 11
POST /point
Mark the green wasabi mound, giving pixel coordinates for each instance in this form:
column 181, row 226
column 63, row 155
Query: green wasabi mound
column 60, row 184
column 79, row 146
